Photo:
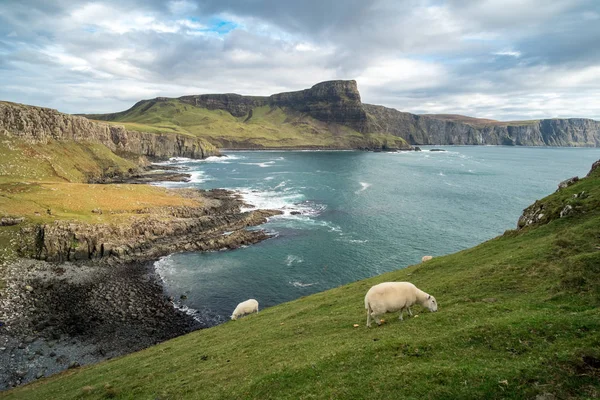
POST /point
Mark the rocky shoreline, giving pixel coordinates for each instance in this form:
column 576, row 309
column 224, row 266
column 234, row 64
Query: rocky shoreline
column 63, row 307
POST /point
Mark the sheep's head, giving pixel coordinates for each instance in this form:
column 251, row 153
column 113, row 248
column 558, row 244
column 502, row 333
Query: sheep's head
column 233, row 317
column 431, row 303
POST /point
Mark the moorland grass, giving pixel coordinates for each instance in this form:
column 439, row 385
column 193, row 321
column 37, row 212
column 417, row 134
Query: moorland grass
column 267, row 127
column 518, row 318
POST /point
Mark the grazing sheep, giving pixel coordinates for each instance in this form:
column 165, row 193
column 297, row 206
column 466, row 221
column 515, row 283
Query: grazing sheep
column 395, row 296
column 426, row 258
column 245, row 307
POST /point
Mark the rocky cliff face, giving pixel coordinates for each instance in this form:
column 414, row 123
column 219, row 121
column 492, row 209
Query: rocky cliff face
column 419, row 129
column 41, row 125
column 339, row 102
column 333, row 101
column 154, row 233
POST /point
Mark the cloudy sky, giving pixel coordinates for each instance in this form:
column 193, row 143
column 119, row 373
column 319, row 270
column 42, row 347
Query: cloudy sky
column 501, row 59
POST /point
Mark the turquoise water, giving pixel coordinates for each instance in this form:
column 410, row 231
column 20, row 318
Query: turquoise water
column 361, row 214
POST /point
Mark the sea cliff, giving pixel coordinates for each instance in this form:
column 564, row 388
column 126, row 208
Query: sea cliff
column 38, row 125
column 338, row 104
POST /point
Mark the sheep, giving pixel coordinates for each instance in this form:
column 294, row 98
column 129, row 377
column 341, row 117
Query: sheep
column 245, row 307
column 395, row 296
column 426, row 258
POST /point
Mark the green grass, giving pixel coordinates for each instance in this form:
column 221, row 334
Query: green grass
column 57, row 161
column 519, row 316
column 268, row 127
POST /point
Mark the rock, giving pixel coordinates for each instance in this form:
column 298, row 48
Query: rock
column 595, row 166
column 183, row 297
column 39, row 375
column 437, row 150
column 42, row 125
column 295, row 213
column 97, row 211
column 73, row 364
column 10, row 221
column 28, row 288
column 567, row 210
column 568, row 182
column 417, row 148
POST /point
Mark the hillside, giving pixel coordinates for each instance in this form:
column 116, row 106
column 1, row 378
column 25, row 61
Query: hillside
column 332, row 115
column 327, row 116
column 518, row 318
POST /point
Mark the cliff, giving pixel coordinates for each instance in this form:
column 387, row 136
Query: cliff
column 43, row 125
column 337, row 104
column 422, row 129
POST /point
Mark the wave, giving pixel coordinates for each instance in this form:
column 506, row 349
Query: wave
column 262, row 164
column 363, row 186
column 299, row 284
column 225, row 159
column 292, row 259
column 290, row 202
column 354, row 241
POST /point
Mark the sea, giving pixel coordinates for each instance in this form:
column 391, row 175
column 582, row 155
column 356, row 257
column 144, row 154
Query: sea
column 349, row 215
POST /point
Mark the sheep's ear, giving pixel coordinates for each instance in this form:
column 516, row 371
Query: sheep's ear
column 429, row 297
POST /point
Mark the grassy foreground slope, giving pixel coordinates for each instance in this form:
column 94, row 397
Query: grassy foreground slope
column 266, row 127
column 518, row 318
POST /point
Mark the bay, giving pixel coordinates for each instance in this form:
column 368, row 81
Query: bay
column 349, row 215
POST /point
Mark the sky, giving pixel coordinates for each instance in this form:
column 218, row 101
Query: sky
column 499, row 59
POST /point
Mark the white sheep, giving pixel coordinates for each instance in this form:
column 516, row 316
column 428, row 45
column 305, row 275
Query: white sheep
column 395, row 296
column 245, row 307
column 426, row 258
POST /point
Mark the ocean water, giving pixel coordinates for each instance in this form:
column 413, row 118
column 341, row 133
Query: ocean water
column 361, row 214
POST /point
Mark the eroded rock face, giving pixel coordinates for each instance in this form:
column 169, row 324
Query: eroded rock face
column 41, row 125
column 152, row 234
column 421, row 129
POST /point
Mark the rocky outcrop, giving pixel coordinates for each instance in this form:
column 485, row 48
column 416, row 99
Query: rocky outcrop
column 10, row 221
column 42, row 125
column 152, row 234
column 566, row 201
column 333, row 101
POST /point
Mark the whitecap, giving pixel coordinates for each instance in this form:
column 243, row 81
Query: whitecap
column 292, row 259
column 364, row 186
column 261, row 164
column 299, row 284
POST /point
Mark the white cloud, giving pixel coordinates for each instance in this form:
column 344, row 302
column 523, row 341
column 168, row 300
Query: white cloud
column 510, row 53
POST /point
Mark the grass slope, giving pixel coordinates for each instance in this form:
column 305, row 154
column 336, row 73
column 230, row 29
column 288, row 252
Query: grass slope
column 518, row 317
column 67, row 161
column 268, row 127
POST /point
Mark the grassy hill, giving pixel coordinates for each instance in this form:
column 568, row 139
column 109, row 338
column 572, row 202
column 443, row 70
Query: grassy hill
column 519, row 317
column 265, row 127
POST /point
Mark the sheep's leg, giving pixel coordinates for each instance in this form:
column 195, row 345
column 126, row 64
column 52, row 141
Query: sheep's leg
column 368, row 318
column 401, row 312
column 410, row 312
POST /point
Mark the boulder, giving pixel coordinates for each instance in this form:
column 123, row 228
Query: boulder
column 568, row 182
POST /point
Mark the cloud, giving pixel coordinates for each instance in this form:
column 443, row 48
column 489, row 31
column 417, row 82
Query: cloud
column 504, row 59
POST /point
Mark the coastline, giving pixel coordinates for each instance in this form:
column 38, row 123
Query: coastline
column 75, row 308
